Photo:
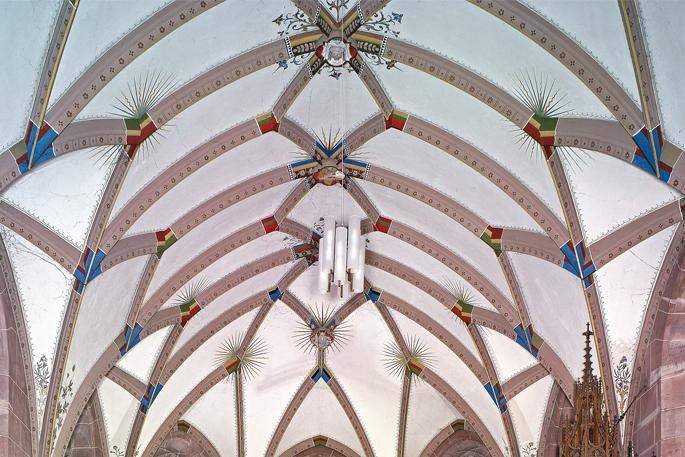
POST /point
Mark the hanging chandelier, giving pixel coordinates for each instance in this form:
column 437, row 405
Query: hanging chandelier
column 341, row 257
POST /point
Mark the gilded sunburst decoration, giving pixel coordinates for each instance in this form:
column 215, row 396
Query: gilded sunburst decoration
column 542, row 96
column 329, row 161
column 133, row 104
column 247, row 358
column 463, row 299
column 322, row 331
column 337, row 54
column 417, row 357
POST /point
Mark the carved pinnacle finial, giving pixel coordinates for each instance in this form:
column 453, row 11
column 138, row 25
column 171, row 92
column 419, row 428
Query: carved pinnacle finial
column 587, row 366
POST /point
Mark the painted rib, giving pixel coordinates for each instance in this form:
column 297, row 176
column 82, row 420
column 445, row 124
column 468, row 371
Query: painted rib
column 102, row 366
column 229, row 197
column 375, row 88
column 522, row 380
column 491, row 319
column 604, row 136
column 33, row 231
column 630, row 14
column 515, row 288
column 292, row 91
column 446, row 435
column 563, row 187
column 116, row 58
column 494, row 379
column 434, row 328
column 517, row 240
column 139, row 420
column 444, row 388
column 52, row 59
column 185, row 166
column 351, row 414
column 288, row 415
column 571, row 55
column 631, row 234
column 127, row 381
column 494, row 172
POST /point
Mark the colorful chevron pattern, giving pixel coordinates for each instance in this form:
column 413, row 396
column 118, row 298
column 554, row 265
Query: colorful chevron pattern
column 355, row 168
column 165, row 238
column 302, row 168
column 542, row 130
column 275, row 294
column 182, row 426
column 270, row 224
column 373, row 294
column 493, row 238
column 415, row 366
column 88, row 268
column 188, row 310
column 383, row 224
column 320, row 440
column 43, row 150
column 315, row 236
column 457, row 425
column 138, row 130
column 495, row 392
column 328, row 151
column 396, row 120
column 128, row 338
column 320, row 373
column 463, row 311
column 149, row 397
column 307, row 251
column 528, row 339
column 579, row 262
column 231, row 365
column 644, row 153
column 267, row 123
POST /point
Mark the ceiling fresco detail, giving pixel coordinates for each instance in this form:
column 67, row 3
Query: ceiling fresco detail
column 164, row 189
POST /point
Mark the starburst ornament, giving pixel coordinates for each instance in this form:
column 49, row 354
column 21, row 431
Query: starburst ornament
column 237, row 357
column 134, row 103
column 540, row 94
column 411, row 363
column 464, row 299
column 322, row 331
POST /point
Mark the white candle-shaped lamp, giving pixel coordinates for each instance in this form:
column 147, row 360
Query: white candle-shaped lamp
column 329, row 244
column 358, row 276
column 340, row 265
column 326, row 252
column 324, row 278
column 353, row 243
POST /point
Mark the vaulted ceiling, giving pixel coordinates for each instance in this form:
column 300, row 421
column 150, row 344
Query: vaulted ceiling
column 516, row 166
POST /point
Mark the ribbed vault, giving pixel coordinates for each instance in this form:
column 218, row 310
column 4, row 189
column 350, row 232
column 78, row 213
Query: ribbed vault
column 203, row 233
